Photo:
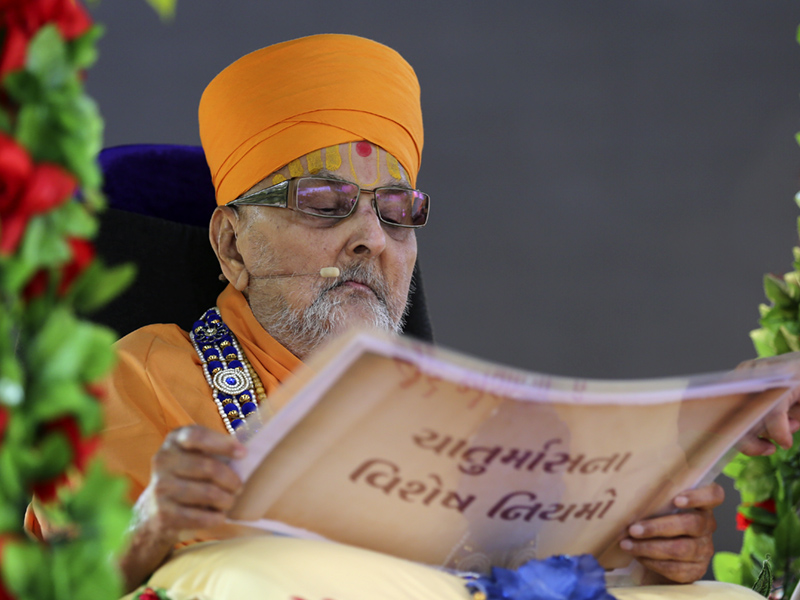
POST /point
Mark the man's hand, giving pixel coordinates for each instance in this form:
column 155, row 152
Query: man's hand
column 677, row 548
column 191, row 487
column 782, row 421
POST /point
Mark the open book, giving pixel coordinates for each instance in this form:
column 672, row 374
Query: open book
column 425, row 454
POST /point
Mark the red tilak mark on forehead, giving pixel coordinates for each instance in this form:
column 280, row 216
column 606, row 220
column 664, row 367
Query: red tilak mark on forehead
column 363, row 149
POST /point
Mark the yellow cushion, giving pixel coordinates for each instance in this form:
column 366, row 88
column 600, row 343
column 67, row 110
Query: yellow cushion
column 280, row 568
column 708, row 590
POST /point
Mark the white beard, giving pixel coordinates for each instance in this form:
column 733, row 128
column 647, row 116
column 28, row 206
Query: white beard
column 302, row 330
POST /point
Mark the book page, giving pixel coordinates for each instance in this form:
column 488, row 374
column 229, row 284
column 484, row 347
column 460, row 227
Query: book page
column 418, row 454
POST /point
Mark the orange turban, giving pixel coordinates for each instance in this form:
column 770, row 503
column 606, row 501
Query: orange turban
column 284, row 101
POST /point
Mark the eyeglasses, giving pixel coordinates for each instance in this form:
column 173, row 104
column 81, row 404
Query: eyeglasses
column 337, row 199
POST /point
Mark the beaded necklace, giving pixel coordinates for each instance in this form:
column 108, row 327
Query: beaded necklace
column 235, row 387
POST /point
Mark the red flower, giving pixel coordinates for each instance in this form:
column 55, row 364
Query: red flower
column 82, row 450
column 3, row 422
column 148, row 594
column 82, row 257
column 743, row 522
column 22, row 19
column 25, row 190
column 16, row 168
column 768, row 505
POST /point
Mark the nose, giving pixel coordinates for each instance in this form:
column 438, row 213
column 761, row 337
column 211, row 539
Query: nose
column 367, row 237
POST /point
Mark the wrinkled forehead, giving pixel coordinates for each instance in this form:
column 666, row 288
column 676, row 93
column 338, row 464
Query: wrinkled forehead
column 361, row 162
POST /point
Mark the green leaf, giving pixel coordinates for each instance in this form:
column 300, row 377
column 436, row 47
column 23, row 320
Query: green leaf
column 77, row 221
column 5, row 121
column 58, row 398
column 777, row 291
column 764, row 342
column 10, row 474
column 22, row 562
column 52, row 456
column 790, row 331
column 42, row 246
column 759, row 544
column 763, row 584
column 773, row 316
column 727, row 567
column 83, row 50
column 756, row 481
column 12, row 376
column 734, row 468
column 23, row 87
column 787, row 535
column 164, row 8
column 99, row 285
column 99, row 356
column 46, row 56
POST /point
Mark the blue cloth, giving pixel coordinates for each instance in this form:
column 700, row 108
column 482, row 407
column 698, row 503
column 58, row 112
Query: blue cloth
column 555, row 578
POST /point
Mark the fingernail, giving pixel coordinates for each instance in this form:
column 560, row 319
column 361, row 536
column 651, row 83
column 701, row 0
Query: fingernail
column 635, row 530
column 681, row 501
column 626, row 544
column 769, row 451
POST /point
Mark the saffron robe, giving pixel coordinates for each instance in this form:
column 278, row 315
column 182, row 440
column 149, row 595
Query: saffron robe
column 159, row 385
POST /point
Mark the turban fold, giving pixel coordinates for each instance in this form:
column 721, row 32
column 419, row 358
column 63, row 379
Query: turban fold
column 281, row 102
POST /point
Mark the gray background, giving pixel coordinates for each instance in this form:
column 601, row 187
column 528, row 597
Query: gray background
column 611, row 178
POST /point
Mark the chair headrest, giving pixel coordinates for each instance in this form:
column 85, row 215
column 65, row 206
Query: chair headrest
column 168, row 181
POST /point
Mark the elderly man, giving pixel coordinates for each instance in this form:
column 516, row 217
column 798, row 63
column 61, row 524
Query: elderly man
column 314, row 147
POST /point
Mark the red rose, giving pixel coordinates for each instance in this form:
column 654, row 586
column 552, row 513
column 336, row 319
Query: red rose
column 3, row 422
column 148, row 594
column 82, row 450
column 22, row 19
column 36, row 286
column 82, row 257
column 16, row 168
column 45, row 187
column 768, row 505
column 742, row 522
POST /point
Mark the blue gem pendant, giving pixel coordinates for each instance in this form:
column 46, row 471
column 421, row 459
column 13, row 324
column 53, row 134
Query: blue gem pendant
column 225, row 370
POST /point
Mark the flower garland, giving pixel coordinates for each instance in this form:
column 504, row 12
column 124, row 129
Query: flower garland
column 770, row 485
column 52, row 360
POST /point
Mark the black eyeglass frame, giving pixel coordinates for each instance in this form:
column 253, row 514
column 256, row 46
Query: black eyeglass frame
column 277, row 196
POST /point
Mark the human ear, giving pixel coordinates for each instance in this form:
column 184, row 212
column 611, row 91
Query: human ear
column 223, row 233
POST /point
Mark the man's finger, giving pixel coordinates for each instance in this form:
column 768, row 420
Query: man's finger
column 206, row 441
column 693, row 523
column 752, row 445
column 197, row 494
column 677, row 571
column 681, row 549
column 777, row 429
column 177, row 517
column 198, row 467
column 707, row 496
